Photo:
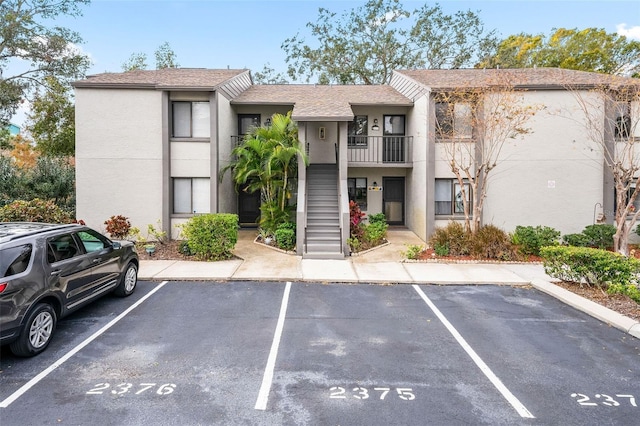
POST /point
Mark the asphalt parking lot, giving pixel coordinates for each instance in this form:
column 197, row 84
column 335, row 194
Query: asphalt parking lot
column 251, row 353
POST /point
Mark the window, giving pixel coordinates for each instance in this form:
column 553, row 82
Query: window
column 357, row 131
column 357, row 188
column 190, row 120
column 92, row 241
column 246, row 122
column 393, row 125
column 448, row 197
column 623, row 120
column 191, row 195
column 14, row 260
column 636, row 202
column 62, row 247
column 453, row 120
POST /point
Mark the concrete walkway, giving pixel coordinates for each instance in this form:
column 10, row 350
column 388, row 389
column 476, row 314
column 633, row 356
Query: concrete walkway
column 382, row 265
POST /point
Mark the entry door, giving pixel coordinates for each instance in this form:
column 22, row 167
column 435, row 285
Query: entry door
column 248, row 204
column 248, row 208
column 393, row 199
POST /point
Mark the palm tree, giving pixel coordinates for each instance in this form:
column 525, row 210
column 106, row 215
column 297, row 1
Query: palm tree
column 266, row 161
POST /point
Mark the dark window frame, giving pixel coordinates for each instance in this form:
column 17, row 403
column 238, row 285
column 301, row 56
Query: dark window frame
column 456, row 208
column 358, row 132
column 357, row 193
column 393, row 132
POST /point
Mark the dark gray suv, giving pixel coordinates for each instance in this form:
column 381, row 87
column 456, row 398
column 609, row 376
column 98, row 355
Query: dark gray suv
column 50, row 270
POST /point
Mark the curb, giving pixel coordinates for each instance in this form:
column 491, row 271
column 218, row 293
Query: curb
column 597, row 311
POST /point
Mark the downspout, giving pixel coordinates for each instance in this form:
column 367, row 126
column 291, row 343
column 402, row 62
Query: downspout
column 167, row 189
column 214, row 139
column 301, row 210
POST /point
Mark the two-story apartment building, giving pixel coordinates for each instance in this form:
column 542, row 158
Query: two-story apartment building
column 150, row 145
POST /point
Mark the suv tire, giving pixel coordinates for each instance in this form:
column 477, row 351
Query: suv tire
column 37, row 331
column 128, row 281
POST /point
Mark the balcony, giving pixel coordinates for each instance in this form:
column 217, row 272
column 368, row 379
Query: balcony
column 384, row 151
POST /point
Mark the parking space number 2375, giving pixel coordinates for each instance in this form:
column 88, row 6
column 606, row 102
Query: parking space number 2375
column 338, row 392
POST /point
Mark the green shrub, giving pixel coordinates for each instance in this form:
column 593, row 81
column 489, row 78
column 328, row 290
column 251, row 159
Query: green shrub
column 453, row 237
column 354, row 244
column 441, row 249
column 36, row 210
column 211, row 236
column 375, row 233
column 377, row 218
column 594, row 266
column 529, row 239
column 414, row 251
column 576, row 240
column 285, row 238
column 491, row 242
column 600, row 235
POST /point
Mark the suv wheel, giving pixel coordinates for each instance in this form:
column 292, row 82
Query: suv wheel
column 128, row 281
column 36, row 332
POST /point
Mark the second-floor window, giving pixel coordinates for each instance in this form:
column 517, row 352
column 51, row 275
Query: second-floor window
column 393, row 125
column 453, row 120
column 357, row 131
column 622, row 129
column 190, row 120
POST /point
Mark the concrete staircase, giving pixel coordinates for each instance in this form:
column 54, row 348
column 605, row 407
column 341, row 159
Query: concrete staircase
column 323, row 214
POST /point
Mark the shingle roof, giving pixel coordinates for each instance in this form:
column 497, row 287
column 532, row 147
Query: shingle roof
column 183, row 78
column 518, row 78
column 322, row 102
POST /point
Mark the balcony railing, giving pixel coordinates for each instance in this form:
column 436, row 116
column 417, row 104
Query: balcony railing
column 384, row 150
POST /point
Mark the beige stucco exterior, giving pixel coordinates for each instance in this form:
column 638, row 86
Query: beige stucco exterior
column 119, row 159
column 553, row 175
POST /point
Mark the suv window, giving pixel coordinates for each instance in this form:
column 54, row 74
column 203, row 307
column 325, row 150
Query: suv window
column 92, row 241
column 14, row 260
column 61, row 247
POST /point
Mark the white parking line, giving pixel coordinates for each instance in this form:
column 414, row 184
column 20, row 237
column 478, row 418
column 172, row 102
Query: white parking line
column 17, row 394
column 263, row 395
column 515, row 403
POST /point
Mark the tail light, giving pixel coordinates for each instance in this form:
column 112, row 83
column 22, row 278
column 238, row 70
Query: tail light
column 3, row 286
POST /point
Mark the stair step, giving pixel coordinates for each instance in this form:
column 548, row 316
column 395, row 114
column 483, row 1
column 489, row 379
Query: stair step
column 324, row 256
column 322, row 248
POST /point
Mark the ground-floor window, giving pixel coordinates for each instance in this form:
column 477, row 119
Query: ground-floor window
column 358, row 191
column 191, row 195
column 448, row 196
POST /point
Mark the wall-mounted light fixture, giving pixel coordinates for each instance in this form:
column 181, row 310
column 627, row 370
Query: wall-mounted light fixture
column 375, row 125
column 267, row 123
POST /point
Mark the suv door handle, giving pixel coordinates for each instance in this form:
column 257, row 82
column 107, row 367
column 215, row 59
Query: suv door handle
column 96, row 261
column 56, row 272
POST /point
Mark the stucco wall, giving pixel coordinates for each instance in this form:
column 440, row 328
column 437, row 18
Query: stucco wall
column 553, row 176
column 418, row 187
column 227, row 127
column 118, row 155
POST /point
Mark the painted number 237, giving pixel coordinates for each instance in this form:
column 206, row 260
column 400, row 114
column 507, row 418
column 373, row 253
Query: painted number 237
column 338, row 392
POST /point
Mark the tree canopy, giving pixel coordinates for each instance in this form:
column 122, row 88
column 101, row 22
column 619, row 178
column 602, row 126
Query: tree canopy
column 365, row 44
column 164, row 54
column 51, row 120
column 590, row 49
column 30, row 50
